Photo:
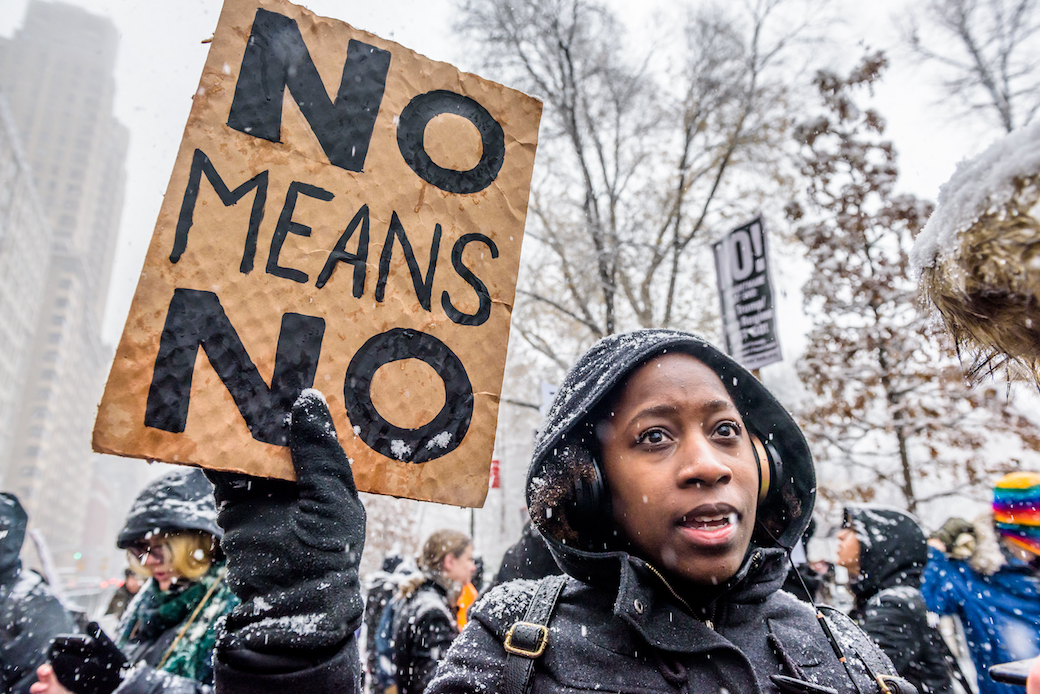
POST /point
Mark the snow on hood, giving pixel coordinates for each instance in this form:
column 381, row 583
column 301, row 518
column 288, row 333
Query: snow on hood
column 892, row 547
column 979, row 186
column 786, row 514
column 179, row 500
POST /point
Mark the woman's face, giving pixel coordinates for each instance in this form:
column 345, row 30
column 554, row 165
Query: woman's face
column 461, row 568
column 154, row 555
column 848, row 551
column 681, row 470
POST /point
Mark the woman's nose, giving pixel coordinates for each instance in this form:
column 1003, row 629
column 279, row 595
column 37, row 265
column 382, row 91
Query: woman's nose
column 153, row 557
column 702, row 464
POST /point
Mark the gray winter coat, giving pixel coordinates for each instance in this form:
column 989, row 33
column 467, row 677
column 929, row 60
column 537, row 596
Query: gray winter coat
column 618, row 626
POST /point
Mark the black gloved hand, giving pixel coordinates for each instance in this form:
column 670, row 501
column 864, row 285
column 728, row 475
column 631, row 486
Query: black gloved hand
column 293, row 548
column 87, row 663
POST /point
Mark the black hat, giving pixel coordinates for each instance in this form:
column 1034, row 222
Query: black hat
column 179, row 500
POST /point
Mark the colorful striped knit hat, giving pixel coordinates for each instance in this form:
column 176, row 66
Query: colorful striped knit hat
column 1016, row 509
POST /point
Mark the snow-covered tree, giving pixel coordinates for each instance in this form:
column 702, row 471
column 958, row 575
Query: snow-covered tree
column 891, row 416
column 987, row 54
column 647, row 153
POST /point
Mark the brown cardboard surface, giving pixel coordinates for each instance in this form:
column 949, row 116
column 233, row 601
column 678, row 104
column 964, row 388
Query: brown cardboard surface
column 407, row 393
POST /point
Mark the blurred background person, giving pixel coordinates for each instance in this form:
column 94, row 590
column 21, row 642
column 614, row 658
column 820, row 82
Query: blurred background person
column 168, row 630
column 885, row 551
column 124, row 594
column 424, row 618
column 987, row 573
column 30, row 614
column 382, row 587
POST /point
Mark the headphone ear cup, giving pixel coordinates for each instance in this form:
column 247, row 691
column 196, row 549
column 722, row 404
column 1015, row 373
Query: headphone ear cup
column 770, row 467
column 588, row 510
column 776, row 468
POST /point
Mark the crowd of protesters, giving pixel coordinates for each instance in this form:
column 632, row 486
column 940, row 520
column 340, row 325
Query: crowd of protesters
column 671, row 497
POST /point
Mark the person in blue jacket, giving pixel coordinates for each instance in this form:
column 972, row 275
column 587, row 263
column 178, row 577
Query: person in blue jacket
column 983, row 573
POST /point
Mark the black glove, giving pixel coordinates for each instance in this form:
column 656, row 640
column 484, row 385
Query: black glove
column 293, row 548
column 87, row 663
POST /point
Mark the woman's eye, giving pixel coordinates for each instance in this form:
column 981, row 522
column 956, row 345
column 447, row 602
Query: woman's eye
column 652, row 437
column 728, row 430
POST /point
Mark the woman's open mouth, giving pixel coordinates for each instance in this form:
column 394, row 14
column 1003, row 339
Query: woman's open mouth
column 709, row 526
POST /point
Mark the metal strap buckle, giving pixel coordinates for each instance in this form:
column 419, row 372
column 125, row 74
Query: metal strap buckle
column 540, row 644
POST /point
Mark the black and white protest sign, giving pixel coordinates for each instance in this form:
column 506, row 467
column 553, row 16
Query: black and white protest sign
column 746, row 295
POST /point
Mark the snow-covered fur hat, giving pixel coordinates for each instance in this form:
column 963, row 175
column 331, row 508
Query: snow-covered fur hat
column 979, row 254
column 556, row 469
column 179, row 500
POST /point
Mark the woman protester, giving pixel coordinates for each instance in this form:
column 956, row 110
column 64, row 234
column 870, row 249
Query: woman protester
column 885, row 552
column 669, row 485
column 424, row 612
column 165, row 639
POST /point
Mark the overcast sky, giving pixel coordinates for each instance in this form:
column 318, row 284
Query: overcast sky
column 161, row 55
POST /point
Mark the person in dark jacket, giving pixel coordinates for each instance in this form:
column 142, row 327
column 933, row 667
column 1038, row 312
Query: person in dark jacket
column 165, row 640
column 382, row 587
column 885, row 552
column 30, row 614
column 529, row 558
column 424, row 620
column 673, row 558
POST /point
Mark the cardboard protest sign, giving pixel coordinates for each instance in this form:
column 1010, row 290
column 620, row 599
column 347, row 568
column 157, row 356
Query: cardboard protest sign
column 344, row 214
column 746, row 295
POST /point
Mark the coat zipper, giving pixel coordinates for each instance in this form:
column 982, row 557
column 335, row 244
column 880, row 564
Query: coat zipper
column 675, row 595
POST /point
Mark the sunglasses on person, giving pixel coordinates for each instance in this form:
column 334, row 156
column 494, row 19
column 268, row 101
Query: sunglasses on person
column 142, row 549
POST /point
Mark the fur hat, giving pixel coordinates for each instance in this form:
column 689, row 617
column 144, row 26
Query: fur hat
column 1016, row 509
column 979, row 255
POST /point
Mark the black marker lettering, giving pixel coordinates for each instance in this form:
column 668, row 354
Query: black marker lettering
column 287, row 226
column 276, row 57
column 201, row 164
column 430, row 441
column 423, row 286
column 484, row 308
column 339, row 255
column 196, row 318
column 412, row 127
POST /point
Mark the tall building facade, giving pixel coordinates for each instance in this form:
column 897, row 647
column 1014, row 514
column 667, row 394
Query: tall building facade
column 25, row 239
column 57, row 73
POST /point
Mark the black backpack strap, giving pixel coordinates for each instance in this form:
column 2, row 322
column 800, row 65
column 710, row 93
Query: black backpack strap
column 526, row 640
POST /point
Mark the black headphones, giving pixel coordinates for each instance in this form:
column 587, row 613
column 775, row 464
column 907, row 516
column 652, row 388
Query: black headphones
column 589, row 512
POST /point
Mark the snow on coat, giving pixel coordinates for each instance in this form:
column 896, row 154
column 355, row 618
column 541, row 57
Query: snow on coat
column 423, row 629
column 617, row 626
column 996, row 597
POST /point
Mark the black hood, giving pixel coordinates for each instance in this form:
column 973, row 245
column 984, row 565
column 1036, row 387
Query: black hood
column 12, row 533
column 179, row 500
column 550, row 487
column 892, row 548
